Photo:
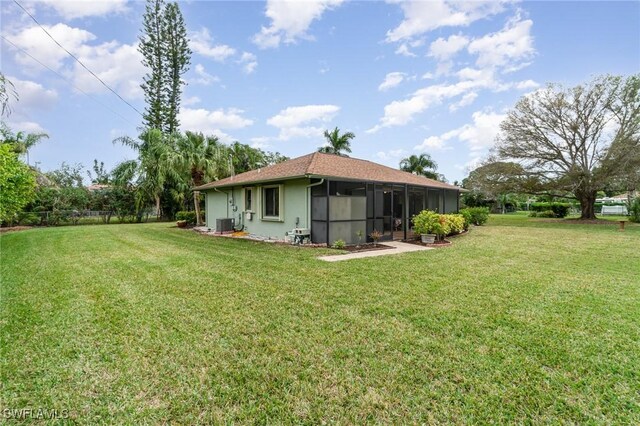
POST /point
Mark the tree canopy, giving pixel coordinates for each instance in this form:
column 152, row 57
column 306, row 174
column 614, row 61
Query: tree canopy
column 422, row 165
column 574, row 141
column 336, row 143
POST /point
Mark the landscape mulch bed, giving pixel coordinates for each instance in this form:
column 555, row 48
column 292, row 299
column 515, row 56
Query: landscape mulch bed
column 366, row 247
column 437, row 244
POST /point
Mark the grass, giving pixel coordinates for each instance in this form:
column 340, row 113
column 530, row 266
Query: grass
column 520, row 321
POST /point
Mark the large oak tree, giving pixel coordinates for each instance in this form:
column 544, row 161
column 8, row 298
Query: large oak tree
column 576, row 140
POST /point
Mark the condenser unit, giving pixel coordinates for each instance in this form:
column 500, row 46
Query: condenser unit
column 224, row 225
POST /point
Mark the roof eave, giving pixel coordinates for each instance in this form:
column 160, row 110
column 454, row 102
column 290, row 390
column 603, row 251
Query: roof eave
column 246, row 183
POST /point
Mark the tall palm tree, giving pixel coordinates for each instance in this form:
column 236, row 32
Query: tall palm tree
column 201, row 160
column 156, row 164
column 337, row 143
column 21, row 142
column 422, row 165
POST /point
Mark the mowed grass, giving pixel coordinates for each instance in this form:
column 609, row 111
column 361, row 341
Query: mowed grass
column 517, row 322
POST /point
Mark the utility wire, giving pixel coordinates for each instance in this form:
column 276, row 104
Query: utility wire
column 76, row 58
column 65, row 79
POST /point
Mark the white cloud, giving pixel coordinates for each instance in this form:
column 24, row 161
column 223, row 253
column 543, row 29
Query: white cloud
column 38, row 44
column 399, row 113
column 290, row 21
column 391, row 80
column 211, row 122
column 393, row 155
column 527, row 85
column 261, row 142
column 404, row 50
column 443, row 49
column 25, row 126
column 249, row 62
column 201, row 43
column 71, row 9
column 118, row 65
column 192, row 100
column 479, row 135
column 482, row 133
column 466, row 100
column 509, row 49
column 423, row 16
column 32, row 95
column 301, row 121
column 204, row 77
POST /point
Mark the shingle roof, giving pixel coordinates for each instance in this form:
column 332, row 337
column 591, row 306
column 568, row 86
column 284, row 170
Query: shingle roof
column 332, row 166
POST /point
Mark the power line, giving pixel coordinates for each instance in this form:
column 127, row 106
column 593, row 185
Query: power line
column 65, row 79
column 76, row 58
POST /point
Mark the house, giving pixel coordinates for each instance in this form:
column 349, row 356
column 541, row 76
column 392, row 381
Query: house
column 326, row 197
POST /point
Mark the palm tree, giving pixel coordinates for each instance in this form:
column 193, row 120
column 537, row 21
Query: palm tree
column 201, row 160
column 156, row 164
column 422, row 165
column 21, row 142
column 337, row 143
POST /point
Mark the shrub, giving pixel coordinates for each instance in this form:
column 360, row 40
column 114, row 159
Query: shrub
column 455, row 222
column 634, row 210
column 28, row 219
column 442, row 227
column 547, row 213
column 559, row 210
column 533, row 214
column 189, row 217
column 425, row 222
column 476, row 215
column 339, row 244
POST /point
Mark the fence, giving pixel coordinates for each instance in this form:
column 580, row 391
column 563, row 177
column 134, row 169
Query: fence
column 80, row 217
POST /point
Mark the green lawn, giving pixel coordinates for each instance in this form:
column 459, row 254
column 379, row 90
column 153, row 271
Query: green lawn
column 519, row 321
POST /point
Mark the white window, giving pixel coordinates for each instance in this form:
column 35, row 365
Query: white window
column 249, row 199
column 272, row 202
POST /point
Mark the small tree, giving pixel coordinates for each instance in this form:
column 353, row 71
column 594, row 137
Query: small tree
column 576, row 140
column 17, row 184
column 337, row 143
column 422, row 165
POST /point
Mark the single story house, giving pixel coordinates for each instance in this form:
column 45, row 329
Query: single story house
column 326, row 197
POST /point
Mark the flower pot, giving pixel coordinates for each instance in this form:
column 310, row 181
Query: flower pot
column 181, row 223
column 428, row 238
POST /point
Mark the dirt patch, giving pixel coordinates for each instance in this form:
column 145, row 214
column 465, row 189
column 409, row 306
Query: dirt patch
column 14, row 228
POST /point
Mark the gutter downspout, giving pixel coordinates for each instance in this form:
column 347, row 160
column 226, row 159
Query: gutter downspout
column 307, row 194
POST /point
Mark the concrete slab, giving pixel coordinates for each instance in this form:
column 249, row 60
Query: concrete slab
column 398, row 247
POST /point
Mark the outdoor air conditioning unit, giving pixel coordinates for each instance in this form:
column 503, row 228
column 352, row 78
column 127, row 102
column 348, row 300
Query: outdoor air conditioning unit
column 224, row 225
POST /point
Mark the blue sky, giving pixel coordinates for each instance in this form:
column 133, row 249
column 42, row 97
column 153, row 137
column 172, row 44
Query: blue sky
column 405, row 77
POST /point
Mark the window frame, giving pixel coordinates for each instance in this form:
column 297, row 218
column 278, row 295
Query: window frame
column 254, row 201
column 280, row 216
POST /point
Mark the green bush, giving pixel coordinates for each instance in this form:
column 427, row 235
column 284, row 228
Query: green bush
column 547, row 214
column 455, row 222
column 533, row 214
column 559, row 210
column 476, row 215
column 28, row 219
column 634, row 210
column 339, row 244
column 188, row 216
column 425, row 222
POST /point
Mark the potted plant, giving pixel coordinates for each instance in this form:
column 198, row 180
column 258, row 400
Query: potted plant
column 181, row 223
column 424, row 224
column 375, row 236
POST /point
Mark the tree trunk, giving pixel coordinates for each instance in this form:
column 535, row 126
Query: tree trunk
column 158, row 206
column 196, row 202
column 587, row 205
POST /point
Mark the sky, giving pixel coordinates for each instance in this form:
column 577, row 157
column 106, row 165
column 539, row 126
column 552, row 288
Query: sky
column 407, row 78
